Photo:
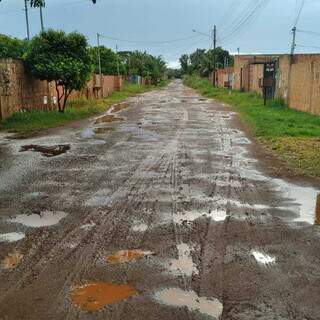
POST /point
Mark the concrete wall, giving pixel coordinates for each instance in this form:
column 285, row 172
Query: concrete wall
column 18, row 90
column 299, row 82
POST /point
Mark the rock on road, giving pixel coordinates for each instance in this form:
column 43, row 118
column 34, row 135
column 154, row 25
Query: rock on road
column 165, row 213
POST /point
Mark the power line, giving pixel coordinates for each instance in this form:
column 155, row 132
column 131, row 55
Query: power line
column 304, row 46
column 150, row 42
column 299, row 13
column 309, row 32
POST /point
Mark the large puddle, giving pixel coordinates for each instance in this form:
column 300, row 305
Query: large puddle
column 11, row 237
column 124, row 256
column 12, row 260
column 179, row 298
column 44, row 219
column 47, row 151
column 184, row 264
column 96, row 295
column 119, row 107
column 109, row 118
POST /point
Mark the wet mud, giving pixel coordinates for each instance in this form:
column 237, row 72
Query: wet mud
column 12, row 260
column 47, row 151
column 124, row 256
column 94, row 296
column 109, row 118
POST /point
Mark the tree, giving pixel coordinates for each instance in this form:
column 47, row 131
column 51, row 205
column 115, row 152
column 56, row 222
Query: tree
column 12, row 47
column 184, row 62
column 110, row 61
column 61, row 58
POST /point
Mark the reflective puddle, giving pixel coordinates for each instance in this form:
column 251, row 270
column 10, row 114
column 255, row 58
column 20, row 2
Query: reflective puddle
column 11, row 237
column 47, row 151
column 12, row 260
column 44, row 219
column 263, row 258
column 179, row 298
column 184, row 264
column 96, row 295
column 108, row 118
column 124, row 256
column 139, row 227
column 87, row 133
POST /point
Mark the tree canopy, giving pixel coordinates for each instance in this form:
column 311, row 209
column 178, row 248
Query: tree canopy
column 202, row 61
column 61, row 58
column 12, row 47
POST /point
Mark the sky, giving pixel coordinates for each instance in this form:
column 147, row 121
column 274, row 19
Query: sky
column 164, row 27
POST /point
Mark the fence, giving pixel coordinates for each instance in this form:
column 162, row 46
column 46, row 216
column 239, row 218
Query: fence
column 18, row 90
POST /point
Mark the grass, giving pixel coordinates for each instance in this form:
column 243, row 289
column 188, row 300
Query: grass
column 77, row 109
column 291, row 135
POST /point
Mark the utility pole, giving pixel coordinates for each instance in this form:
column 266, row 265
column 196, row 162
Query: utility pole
column 27, row 19
column 117, row 61
column 214, row 54
column 293, row 45
column 41, row 19
column 99, row 63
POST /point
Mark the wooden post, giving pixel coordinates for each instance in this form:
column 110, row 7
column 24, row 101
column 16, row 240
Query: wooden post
column 317, row 220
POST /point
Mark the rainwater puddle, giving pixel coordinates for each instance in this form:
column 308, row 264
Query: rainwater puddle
column 44, row 219
column 11, row 237
column 108, row 118
column 96, row 295
column 263, row 258
column 124, row 256
column 139, row 227
column 119, row 107
column 179, row 298
column 88, row 226
column 103, row 130
column 12, row 260
column 87, row 134
column 184, row 264
column 47, row 151
column 218, row 215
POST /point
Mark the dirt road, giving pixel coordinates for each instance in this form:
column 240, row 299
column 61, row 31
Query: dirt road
column 174, row 179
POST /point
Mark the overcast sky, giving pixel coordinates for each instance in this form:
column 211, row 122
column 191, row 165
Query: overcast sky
column 165, row 20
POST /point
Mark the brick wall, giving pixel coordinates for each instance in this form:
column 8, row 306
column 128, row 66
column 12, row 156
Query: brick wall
column 223, row 76
column 18, row 90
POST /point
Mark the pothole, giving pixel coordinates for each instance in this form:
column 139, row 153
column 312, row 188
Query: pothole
column 12, row 260
column 179, row 298
column 11, row 237
column 44, row 219
column 103, row 130
column 108, row 118
column 120, row 106
column 96, row 295
column 124, row 256
column 47, row 151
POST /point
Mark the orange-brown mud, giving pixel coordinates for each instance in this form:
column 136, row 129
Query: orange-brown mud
column 94, row 296
column 12, row 260
column 123, row 256
column 109, row 118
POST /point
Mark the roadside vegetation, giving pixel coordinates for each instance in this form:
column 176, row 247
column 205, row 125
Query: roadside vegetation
column 292, row 136
column 77, row 109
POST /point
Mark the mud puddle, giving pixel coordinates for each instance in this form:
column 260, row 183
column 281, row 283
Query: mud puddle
column 88, row 226
column 124, row 256
column 263, row 258
column 184, row 264
column 96, row 295
column 120, row 106
column 11, row 237
column 108, row 118
column 103, row 130
column 12, row 260
column 179, row 298
column 47, row 151
column 44, row 219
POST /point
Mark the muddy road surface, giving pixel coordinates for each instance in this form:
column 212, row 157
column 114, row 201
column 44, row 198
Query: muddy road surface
column 159, row 209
